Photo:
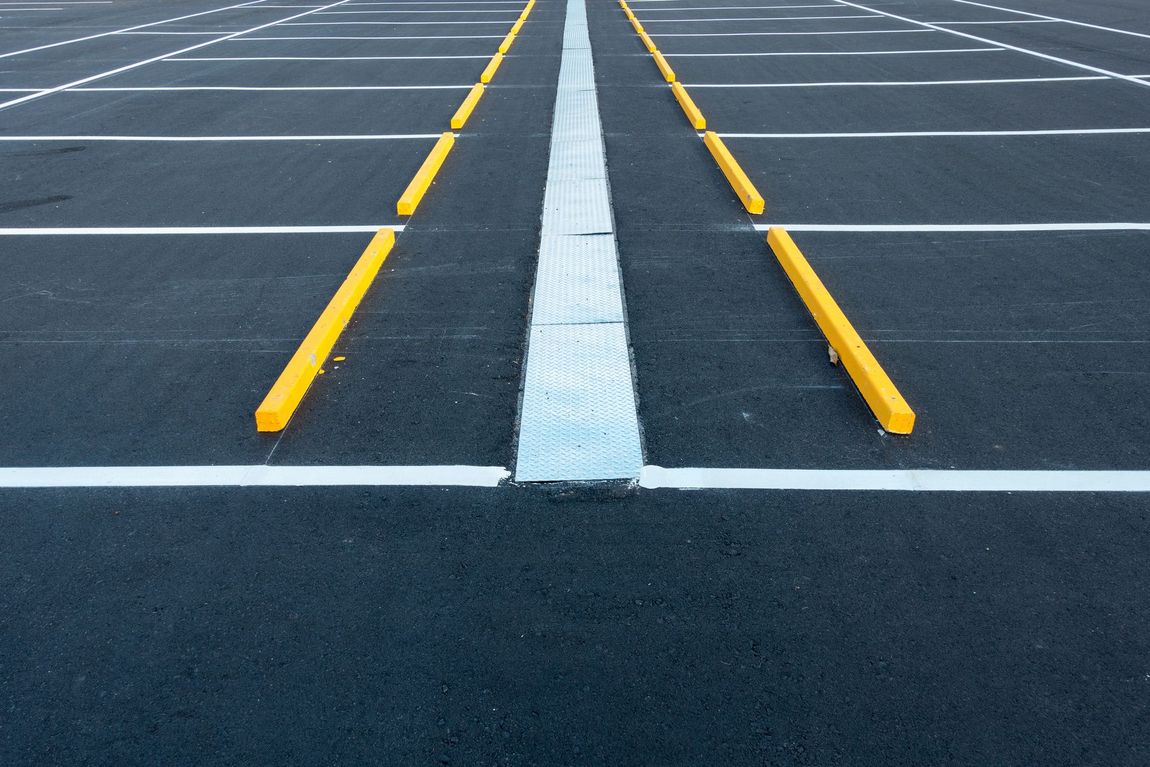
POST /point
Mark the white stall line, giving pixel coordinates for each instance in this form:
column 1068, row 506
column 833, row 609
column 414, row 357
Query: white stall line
column 1056, row 18
column 734, row 8
column 320, row 58
column 959, row 134
column 178, row 139
column 137, row 64
column 372, row 37
column 387, row 23
column 756, row 18
column 410, row 12
column 89, row 231
column 152, row 33
column 258, row 475
column 893, row 228
column 578, row 419
column 271, row 88
column 913, row 480
column 1015, row 48
column 832, row 53
column 869, row 83
column 127, row 29
column 797, row 34
column 1000, row 21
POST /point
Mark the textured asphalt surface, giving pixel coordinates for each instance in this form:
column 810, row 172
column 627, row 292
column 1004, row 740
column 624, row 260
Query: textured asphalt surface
column 583, row 624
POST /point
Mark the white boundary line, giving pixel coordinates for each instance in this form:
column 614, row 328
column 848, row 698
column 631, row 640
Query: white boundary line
column 87, row 231
column 914, row 480
column 137, row 64
column 925, row 134
column 322, row 58
column 755, row 18
column 1015, row 48
column 127, row 29
column 385, row 23
column 1061, row 227
column 380, row 37
column 177, row 139
column 1001, row 21
column 1056, row 18
column 796, row 34
column 905, row 82
column 829, row 53
column 273, row 88
column 251, row 476
column 651, row 478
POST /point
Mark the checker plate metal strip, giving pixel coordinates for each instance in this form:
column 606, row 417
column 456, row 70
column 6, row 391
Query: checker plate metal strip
column 578, row 419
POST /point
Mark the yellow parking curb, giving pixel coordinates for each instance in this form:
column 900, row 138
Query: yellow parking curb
column 698, row 122
column 752, row 200
column 286, row 393
column 880, row 393
column 411, row 196
column 492, row 66
column 459, row 119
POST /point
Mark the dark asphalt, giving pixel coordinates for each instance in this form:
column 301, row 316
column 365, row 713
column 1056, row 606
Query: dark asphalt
column 526, row 627
column 574, row 625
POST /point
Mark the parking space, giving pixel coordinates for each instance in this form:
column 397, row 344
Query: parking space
column 978, row 213
column 180, row 224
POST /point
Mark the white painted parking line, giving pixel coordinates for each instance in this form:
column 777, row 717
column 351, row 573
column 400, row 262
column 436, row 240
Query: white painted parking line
column 372, row 37
column 1017, row 49
column 1056, row 18
column 411, row 11
column 912, row 480
column 578, row 419
column 320, row 58
column 833, row 53
column 173, row 34
column 178, row 139
column 957, row 134
column 756, row 18
column 23, row 51
column 870, row 83
column 258, row 475
column 387, row 23
column 734, row 8
column 1001, row 21
column 89, row 231
column 145, row 62
column 1057, row 227
column 271, row 88
column 798, row 34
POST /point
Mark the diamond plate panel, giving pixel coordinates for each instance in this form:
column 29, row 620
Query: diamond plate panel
column 578, row 281
column 578, row 420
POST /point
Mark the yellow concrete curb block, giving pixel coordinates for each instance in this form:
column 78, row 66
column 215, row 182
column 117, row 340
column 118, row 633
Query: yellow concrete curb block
column 489, row 70
column 459, row 119
column 664, row 67
column 285, row 395
column 698, row 122
column 647, row 41
column 752, row 200
column 507, row 41
column 877, row 389
column 411, row 196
